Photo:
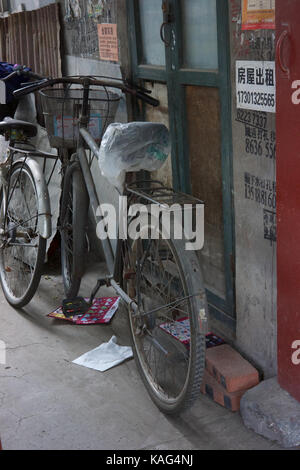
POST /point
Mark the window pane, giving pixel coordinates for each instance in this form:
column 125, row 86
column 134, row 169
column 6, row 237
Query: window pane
column 151, row 18
column 200, row 44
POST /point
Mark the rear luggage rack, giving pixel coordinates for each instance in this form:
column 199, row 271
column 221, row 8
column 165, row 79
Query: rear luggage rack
column 156, row 192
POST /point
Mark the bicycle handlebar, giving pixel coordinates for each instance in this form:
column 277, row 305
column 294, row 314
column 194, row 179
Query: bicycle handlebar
column 21, row 71
column 87, row 81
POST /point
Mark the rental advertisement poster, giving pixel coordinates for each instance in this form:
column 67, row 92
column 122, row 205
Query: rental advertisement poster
column 258, row 14
column 256, row 86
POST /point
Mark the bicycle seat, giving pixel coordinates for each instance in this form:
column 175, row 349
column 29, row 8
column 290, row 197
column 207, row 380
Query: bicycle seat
column 29, row 129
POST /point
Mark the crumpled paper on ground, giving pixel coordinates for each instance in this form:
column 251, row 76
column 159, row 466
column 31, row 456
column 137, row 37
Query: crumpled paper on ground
column 105, row 356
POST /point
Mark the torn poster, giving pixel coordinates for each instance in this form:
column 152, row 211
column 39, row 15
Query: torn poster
column 73, row 10
column 95, row 8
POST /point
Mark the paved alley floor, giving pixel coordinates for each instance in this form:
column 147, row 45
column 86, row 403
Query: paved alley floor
column 46, row 402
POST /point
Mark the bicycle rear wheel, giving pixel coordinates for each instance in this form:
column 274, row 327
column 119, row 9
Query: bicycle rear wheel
column 166, row 282
column 73, row 227
column 22, row 250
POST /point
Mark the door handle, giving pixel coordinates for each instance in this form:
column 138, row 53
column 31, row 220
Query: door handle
column 168, row 19
column 162, row 35
column 279, row 45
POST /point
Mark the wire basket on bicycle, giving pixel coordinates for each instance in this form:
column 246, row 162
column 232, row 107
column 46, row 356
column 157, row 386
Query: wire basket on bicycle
column 62, row 110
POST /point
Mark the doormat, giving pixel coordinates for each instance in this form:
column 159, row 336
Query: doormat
column 181, row 331
column 102, row 311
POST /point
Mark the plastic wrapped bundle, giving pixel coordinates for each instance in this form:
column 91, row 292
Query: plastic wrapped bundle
column 132, row 147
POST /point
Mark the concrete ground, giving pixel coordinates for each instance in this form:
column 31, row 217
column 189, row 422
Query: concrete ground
column 46, row 402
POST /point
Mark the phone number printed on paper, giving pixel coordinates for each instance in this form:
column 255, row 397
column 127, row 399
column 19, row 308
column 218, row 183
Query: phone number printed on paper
column 256, row 85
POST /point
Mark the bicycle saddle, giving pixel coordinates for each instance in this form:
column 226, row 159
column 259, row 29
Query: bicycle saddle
column 29, row 129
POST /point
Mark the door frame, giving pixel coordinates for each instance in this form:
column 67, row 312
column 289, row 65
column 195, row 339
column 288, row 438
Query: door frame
column 176, row 78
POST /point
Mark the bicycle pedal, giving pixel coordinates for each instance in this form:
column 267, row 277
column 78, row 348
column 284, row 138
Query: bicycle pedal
column 75, row 307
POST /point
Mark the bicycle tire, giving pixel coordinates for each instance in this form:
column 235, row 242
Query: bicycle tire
column 15, row 261
column 191, row 282
column 73, row 215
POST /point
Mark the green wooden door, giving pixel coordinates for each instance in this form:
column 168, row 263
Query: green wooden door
column 184, row 44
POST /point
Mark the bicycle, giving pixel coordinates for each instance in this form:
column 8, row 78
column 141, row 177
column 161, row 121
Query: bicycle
column 25, row 215
column 159, row 280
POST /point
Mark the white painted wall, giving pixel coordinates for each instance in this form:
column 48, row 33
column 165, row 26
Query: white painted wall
column 29, row 4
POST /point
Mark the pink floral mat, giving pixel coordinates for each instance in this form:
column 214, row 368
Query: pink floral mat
column 181, row 331
column 102, row 311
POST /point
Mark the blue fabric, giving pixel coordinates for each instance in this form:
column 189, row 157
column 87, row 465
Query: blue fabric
column 15, row 82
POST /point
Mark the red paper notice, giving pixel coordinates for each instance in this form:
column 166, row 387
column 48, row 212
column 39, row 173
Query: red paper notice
column 258, row 14
column 108, row 42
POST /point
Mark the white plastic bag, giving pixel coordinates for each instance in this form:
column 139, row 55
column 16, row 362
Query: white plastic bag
column 132, row 147
column 105, row 356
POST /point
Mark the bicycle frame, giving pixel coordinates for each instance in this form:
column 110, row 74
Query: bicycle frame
column 85, row 137
column 111, row 260
column 183, row 299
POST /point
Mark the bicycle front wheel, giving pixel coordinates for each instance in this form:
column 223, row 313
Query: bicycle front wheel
column 73, row 228
column 166, row 282
column 22, row 250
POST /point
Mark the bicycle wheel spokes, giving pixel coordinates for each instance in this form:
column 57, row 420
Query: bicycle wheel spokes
column 67, row 235
column 22, row 249
column 73, row 221
column 162, row 338
column 20, row 254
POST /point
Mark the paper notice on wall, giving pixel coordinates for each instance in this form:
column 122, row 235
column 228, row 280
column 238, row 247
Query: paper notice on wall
column 258, row 14
column 108, row 42
column 256, row 85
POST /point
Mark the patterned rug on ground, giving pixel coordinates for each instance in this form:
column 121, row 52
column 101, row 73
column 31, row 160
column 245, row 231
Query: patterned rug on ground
column 181, row 331
column 102, row 311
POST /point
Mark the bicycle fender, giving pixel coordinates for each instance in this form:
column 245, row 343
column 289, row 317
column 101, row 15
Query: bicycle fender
column 44, row 207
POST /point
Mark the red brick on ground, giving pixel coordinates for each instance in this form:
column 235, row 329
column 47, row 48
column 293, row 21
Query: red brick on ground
column 216, row 392
column 230, row 369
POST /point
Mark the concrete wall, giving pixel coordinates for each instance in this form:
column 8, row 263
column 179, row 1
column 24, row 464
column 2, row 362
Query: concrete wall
column 254, row 200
